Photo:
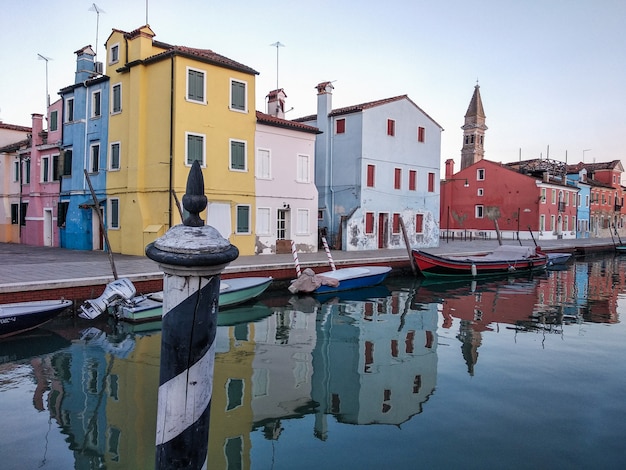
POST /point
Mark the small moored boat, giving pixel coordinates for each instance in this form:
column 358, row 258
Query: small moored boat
column 24, row 316
column 339, row 279
column 506, row 259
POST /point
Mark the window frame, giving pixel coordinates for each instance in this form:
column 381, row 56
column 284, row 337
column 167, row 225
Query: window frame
column 479, row 211
column 419, row 223
column 421, row 134
column 68, row 155
column 431, row 182
column 480, row 174
column 188, row 97
column 94, row 168
column 263, row 164
column 370, row 175
column 45, row 169
column 114, row 53
column 244, row 106
column 114, row 213
column 96, row 104
column 303, row 227
column 303, row 168
column 116, row 91
column 69, row 109
column 54, row 120
column 397, row 178
column 391, row 127
column 112, row 166
column 369, row 223
column 238, row 208
column 340, row 126
column 203, row 138
column 263, row 221
column 412, row 180
column 231, row 146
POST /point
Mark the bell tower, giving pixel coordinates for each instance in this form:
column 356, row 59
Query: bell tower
column 473, row 131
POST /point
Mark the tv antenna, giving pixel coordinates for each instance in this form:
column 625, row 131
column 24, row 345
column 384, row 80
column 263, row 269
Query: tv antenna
column 277, row 44
column 43, row 57
column 98, row 10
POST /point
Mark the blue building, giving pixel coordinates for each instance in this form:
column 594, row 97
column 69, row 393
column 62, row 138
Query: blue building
column 85, row 137
column 583, row 202
column 377, row 166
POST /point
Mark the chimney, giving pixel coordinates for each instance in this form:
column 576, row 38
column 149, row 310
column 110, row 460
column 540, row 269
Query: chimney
column 38, row 132
column 276, row 103
column 324, row 101
column 84, row 64
column 449, row 168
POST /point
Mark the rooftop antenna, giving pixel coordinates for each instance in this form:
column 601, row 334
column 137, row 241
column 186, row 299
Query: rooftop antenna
column 98, row 10
column 147, row 12
column 277, row 44
column 43, row 57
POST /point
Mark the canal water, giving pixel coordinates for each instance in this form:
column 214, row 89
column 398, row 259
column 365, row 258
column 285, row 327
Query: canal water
column 504, row 373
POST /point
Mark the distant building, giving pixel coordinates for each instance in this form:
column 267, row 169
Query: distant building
column 85, row 118
column 376, row 165
column 286, row 195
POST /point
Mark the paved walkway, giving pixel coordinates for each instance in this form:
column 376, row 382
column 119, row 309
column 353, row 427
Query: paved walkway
column 25, row 267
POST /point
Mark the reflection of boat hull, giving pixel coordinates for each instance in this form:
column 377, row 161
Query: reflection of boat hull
column 31, row 344
column 149, row 307
column 24, row 316
column 492, row 264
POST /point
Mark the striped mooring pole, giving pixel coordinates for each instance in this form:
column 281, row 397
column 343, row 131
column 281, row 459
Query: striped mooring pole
column 192, row 257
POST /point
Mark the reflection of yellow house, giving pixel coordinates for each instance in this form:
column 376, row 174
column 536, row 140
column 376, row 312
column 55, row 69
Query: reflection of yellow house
column 231, row 402
column 171, row 105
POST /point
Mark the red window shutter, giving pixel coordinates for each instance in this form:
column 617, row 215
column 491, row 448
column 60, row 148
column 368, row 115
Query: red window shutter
column 431, row 182
column 370, row 175
column 412, row 180
column 419, row 223
column 391, row 127
column 369, row 222
column 397, row 178
column 420, row 134
column 341, row 126
column 396, row 223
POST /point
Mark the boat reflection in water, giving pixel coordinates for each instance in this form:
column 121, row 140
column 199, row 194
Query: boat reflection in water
column 361, row 357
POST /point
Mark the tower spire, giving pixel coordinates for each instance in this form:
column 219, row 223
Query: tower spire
column 473, row 131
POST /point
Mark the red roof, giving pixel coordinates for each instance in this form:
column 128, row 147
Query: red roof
column 270, row 120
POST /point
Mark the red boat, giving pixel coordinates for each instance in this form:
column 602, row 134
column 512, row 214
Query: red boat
column 506, row 259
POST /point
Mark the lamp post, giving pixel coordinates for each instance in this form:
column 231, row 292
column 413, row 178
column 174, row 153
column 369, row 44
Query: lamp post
column 449, row 200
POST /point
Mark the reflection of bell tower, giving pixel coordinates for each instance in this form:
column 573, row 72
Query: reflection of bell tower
column 470, row 342
column 473, row 131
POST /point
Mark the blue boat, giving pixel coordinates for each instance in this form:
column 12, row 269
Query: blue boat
column 19, row 317
column 339, row 279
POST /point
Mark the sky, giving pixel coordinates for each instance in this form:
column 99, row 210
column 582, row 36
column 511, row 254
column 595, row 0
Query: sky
column 552, row 73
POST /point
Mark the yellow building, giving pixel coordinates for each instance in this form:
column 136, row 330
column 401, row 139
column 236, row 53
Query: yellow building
column 171, row 105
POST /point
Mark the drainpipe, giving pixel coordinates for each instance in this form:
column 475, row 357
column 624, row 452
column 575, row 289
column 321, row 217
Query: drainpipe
column 169, row 197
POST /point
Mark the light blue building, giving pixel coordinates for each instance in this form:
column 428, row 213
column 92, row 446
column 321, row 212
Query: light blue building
column 377, row 166
column 85, row 137
column 582, row 206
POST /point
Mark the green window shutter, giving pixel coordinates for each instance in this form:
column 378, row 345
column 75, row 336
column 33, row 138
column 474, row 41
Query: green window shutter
column 195, row 144
column 238, row 92
column 238, row 155
column 195, row 85
column 243, row 219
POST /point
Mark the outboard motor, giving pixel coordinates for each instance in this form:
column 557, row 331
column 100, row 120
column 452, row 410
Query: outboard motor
column 118, row 289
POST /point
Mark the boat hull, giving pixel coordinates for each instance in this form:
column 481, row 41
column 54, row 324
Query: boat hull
column 232, row 292
column 438, row 266
column 354, row 278
column 24, row 316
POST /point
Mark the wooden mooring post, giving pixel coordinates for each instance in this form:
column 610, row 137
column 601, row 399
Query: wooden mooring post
column 192, row 257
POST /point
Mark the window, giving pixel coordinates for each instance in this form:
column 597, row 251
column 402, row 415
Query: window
column 281, row 224
column 552, row 223
column 16, row 171
column 302, row 221
column 55, row 168
column 371, row 173
column 24, row 208
column 67, row 162
column 479, row 211
column 302, row 169
column 565, row 223
column 69, row 110
column 395, row 223
column 420, row 134
column 397, row 178
column 587, row 200
column 116, row 100
column 62, row 208
column 480, row 192
column 340, row 126
column 195, row 149
column 263, row 221
column 480, row 174
column 431, row 182
column 369, row 222
column 26, row 172
column 391, row 127
column 95, row 104
column 195, row 85
column 238, row 96
column 543, row 195
column 114, row 213
column 243, row 219
column 412, row 180
column 94, row 158
column 114, row 55
column 542, row 223
column 234, row 394
column 115, row 156
column 238, row 155
column 15, row 214
column 419, row 223
column 45, row 169
column 263, row 164
column 54, row 120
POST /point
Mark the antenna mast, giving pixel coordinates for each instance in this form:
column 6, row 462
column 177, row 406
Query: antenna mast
column 43, row 57
column 277, row 44
column 98, row 10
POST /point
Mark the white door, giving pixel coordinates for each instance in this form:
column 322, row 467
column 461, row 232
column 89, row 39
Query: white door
column 47, row 227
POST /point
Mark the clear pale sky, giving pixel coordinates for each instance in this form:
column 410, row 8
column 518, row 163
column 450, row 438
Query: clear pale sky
column 552, row 73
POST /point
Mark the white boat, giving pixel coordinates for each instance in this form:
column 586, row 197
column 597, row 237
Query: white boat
column 24, row 316
column 148, row 307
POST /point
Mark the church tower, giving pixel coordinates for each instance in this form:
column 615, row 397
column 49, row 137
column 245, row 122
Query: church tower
column 473, row 131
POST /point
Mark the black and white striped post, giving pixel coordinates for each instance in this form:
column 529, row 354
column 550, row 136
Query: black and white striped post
column 192, row 257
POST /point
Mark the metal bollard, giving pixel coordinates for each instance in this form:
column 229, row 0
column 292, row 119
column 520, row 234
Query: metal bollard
column 192, row 256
